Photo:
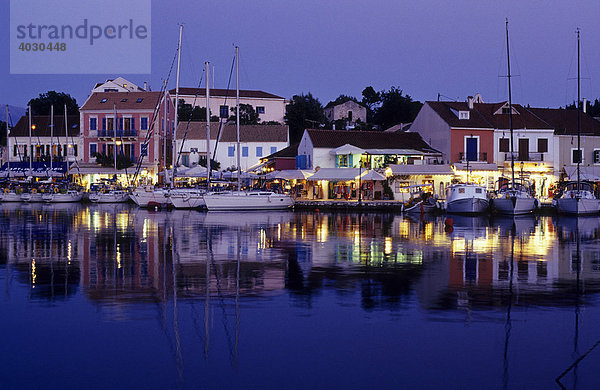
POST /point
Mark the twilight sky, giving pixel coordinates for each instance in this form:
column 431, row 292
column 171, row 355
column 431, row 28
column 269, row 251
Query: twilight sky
column 326, row 47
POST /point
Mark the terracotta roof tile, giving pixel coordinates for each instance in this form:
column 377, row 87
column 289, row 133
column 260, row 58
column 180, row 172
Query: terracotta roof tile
column 230, row 93
column 368, row 139
column 123, row 100
column 248, row 133
column 42, row 126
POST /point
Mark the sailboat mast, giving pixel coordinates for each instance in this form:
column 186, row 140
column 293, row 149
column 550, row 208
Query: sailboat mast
column 7, row 148
column 208, row 164
column 237, row 115
column 51, row 135
column 30, row 151
column 512, row 147
column 580, row 157
column 174, row 140
column 114, row 135
column 67, row 141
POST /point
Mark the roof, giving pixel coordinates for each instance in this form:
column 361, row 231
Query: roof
column 244, row 93
column 368, row 140
column 42, row 126
column 123, row 101
column 333, row 174
column 405, row 169
column 564, row 122
column 248, row 133
column 347, row 102
column 475, row 166
column 289, row 152
column 484, row 116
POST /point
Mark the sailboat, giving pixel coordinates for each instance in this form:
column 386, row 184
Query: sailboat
column 578, row 197
column 244, row 200
column 150, row 196
column 513, row 197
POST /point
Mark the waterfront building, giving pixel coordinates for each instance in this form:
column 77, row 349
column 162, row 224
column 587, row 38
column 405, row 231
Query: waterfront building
column 256, row 142
column 118, row 85
column 269, row 107
column 141, row 133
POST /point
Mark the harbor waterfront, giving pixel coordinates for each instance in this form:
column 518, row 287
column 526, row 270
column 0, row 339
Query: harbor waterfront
column 102, row 296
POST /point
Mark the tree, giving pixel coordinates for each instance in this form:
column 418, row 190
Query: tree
column 248, row 115
column 41, row 105
column 395, row 108
column 198, row 114
column 2, row 133
column 304, row 111
column 371, row 100
column 342, row 99
column 591, row 109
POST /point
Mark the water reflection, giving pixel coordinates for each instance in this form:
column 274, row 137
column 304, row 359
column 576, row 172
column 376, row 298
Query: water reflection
column 118, row 254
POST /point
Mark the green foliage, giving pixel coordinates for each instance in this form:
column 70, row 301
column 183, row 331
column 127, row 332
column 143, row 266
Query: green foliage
column 304, row 111
column 2, row 133
column 395, row 108
column 387, row 191
column 108, row 161
column 248, row 115
column 214, row 165
column 41, row 105
column 197, row 114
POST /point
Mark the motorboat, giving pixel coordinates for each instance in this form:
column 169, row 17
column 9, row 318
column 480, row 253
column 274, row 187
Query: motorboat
column 466, row 198
column 247, row 201
column 578, row 199
column 423, row 203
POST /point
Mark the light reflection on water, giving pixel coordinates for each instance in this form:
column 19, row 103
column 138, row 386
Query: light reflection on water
column 230, row 297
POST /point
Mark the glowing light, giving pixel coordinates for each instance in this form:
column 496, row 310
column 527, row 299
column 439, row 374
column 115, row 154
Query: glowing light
column 33, row 275
column 388, row 246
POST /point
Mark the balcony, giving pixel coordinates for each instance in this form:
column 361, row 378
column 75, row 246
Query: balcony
column 521, row 156
column 120, row 134
column 481, row 157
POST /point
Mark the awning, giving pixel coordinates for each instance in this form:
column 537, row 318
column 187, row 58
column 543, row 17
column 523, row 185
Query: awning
column 292, row 174
column 412, row 152
column 476, row 167
column 372, row 175
column 585, row 173
column 38, row 169
column 347, row 149
column 336, row 174
column 409, row 169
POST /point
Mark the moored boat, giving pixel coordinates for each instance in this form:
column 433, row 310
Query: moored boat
column 578, row 199
column 247, row 200
column 466, row 198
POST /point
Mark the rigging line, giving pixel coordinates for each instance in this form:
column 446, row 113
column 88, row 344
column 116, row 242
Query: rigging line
column 189, row 119
column 149, row 133
column 9, row 119
column 225, row 104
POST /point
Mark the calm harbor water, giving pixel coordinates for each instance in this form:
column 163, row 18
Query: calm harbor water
column 111, row 296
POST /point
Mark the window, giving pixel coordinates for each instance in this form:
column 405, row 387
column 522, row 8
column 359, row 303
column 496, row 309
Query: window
column 576, row 156
column 127, row 123
column 244, row 151
column 260, row 109
column 123, row 100
column 140, row 100
column 15, row 151
column 224, row 112
column 144, row 123
column 259, row 151
column 93, row 123
column 542, row 145
column 464, row 115
column 506, row 110
column 504, row 145
column 273, row 149
column 596, row 156
column 350, row 116
column 93, row 150
column 230, row 151
column 343, row 160
column 103, row 100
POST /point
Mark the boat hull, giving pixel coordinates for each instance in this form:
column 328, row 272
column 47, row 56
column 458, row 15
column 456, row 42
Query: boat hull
column 247, row 202
column 10, row 197
column 578, row 206
column 144, row 198
column 467, row 206
column 187, row 199
column 63, row 198
column 29, row 197
column 109, row 197
column 421, row 207
column 514, row 205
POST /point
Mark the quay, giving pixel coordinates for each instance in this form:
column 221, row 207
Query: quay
column 382, row 205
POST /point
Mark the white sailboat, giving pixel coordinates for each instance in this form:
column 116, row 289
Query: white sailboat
column 514, row 197
column 578, row 197
column 244, row 200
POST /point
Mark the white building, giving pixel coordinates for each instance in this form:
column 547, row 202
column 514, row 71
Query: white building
column 350, row 112
column 269, row 107
column 118, row 85
column 256, row 142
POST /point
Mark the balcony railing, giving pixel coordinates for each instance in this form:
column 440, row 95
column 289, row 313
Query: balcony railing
column 530, row 156
column 120, row 133
column 481, row 157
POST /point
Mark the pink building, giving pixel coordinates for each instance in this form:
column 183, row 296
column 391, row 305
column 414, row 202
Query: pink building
column 141, row 120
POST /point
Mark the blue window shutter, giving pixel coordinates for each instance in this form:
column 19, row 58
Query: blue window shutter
column 132, row 123
column 120, row 123
column 103, row 123
column 350, row 163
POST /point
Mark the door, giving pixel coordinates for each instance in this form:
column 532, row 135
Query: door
column 471, row 149
column 523, row 149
